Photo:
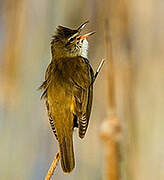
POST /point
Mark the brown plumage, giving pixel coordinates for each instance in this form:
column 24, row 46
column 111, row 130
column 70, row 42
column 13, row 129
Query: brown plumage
column 68, row 90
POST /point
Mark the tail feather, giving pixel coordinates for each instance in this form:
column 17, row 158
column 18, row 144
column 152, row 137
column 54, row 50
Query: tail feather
column 67, row 154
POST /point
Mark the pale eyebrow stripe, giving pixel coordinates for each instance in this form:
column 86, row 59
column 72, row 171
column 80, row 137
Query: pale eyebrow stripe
column 73, row 36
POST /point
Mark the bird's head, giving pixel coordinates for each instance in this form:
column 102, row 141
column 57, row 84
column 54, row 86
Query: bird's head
column 69, row 42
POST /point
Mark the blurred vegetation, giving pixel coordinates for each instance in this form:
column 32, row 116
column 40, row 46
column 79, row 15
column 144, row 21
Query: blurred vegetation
column 128, row 92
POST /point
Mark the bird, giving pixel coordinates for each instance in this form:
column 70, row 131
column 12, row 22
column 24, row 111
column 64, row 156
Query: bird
column 68, row 89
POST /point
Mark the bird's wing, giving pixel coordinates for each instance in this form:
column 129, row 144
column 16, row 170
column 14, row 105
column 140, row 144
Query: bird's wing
column 84, row 119
column 45, row 84
column 44, row 88
column 82, row 78
column 84, row 115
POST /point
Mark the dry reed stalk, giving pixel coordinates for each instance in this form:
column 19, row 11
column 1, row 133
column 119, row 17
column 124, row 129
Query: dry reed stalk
column 53, row 166
column 14, row 37
column 110, row 134
column 111, row 128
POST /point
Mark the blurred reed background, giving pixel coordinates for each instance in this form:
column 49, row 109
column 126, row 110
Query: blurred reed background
column 128, row 98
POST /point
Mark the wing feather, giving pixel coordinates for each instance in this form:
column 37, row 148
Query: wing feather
column 83, row 95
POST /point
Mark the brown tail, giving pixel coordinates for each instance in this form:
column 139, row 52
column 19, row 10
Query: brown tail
column 67, row 154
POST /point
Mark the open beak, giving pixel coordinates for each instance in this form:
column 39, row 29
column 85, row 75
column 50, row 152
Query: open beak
column 82, row 26
column 86, row 35
column 81, row 37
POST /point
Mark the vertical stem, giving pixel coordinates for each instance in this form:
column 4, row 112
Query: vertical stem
column 111, row 127
column 14, row 25
column 53, row 166
column 110, row 134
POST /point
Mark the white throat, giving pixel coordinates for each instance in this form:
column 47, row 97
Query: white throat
column 84, row 49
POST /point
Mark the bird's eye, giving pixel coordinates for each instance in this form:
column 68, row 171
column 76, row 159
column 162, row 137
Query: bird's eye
column 71, row 39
